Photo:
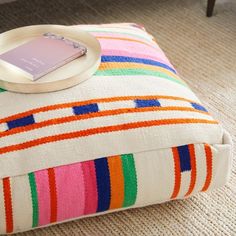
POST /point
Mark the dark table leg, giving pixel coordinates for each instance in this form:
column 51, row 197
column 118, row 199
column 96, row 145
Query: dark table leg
column 210, row 7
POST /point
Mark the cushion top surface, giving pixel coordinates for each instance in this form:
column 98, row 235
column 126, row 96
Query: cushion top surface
column 135, row 102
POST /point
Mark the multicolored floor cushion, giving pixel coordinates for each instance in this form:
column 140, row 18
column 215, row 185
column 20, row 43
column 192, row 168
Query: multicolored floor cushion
column 133, row 135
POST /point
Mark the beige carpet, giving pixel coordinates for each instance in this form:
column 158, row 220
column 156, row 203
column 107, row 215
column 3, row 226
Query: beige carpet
column 204, row 52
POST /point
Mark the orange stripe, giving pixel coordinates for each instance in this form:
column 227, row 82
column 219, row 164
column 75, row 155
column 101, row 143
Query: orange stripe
column 193, row 169
column 126, row 39
column 133, row 65
column 117, row 182
column 208, row 154
column 81, row 103
column 99, row 130
column 8, row 205
column 177, row 173
column 94, row 115
column 53, row 194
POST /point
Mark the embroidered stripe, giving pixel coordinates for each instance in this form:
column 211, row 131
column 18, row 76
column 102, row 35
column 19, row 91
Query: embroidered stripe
column 193, row 169
column 80, row 103
column 125, row 39
column 139, row 71
column 184, row 157
column 105, row 129
column 117, row 32
column 34, row 197
column 53, row 195
column 135, row 66
column 103, row 184
column 96, row 114
column 208, row 154
column 43, row 192
column 129, row 53
column 117, row 181
column 90, row 182
column 177, row 172
column 101, row 33
column 130, row 179
column 162, row 72
column 8, row 205
column 136, row 60
column 70, row 191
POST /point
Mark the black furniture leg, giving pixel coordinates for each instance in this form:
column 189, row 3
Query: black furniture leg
column 210, row 7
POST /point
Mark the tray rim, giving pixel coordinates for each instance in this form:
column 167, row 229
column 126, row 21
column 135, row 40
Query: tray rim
column 72, row 80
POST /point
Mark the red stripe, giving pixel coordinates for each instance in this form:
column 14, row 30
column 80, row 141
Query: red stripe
column 81, row 103
column 193, row 169
column 53, row 194
column 8, row 205
column 100, row 130
column 208, row 154
column 90, row 183
column 72, row 118
column 177, row 173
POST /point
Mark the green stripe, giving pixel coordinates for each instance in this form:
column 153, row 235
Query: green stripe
column 130, row 180
column 34, row 197
column 137, row 71
column 2, row 90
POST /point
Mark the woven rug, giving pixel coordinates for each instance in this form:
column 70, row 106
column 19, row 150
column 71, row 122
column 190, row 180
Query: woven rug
column 203, row 50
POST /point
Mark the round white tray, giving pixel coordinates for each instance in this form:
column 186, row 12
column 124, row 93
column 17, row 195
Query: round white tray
column 64, row 77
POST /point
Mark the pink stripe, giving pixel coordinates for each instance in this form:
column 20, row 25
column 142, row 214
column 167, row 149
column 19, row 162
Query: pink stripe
column 43, row 196
column 90, row 187
column 126, row 53
column 124, row 35
column 110, row 44
column 70, row 191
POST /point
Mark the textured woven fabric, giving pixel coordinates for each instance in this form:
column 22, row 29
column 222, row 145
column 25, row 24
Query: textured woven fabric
column 133, row 135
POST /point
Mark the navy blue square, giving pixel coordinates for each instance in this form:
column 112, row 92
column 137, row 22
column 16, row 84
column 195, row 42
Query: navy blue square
column 85, row 109
column 198, row 107
column 147, row 103
column 28, row 120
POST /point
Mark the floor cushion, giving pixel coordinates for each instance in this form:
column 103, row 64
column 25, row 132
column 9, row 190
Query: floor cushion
column 132, row 135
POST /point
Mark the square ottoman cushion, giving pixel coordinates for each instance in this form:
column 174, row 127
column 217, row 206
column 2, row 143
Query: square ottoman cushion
column 132, row 135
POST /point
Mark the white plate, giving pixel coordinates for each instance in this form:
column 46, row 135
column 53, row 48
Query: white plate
column 64, row 77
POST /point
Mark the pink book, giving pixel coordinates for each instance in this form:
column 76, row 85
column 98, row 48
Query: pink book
column 42, row 55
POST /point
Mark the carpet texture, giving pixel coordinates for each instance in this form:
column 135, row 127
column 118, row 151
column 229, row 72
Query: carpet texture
column 203, row 50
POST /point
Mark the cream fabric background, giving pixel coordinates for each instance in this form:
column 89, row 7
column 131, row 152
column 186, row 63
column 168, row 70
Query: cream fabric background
column 203, row 50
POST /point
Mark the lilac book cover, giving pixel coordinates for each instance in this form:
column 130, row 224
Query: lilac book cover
column 42, row 55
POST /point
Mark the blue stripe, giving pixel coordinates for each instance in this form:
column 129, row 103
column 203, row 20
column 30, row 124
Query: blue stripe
column 85, row 109
column 198, row 107
column 147, row 103
column 136, row 60
column 184, row 157
column 28, row 120
column 103, row 184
